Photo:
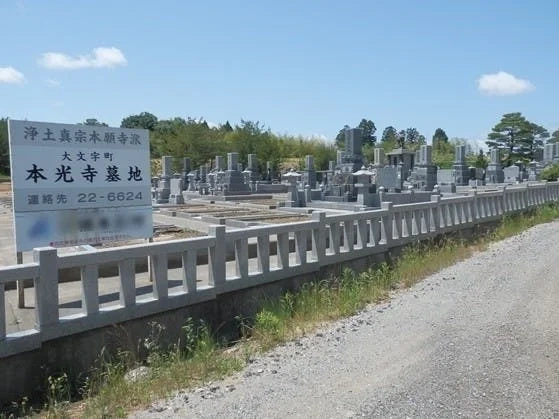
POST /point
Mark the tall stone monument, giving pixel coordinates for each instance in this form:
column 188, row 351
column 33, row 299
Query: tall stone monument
column 164, row 188
column 379, row 158
column 352, row 156
column 252, row 168
column 308, row 175
column 219, row 163
column 494, row 172
column 424, row 174
column 233, row 182
column 460, row 168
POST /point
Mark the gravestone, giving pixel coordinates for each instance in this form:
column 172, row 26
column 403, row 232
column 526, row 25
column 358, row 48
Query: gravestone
column 363, row 185
column 390, row 178
column 354, row 141
column 339, row 157
column 233, row 182
column 185, row 171
column 164, row 188
column 175, row 196
column 533, row 171
column 379, row 158
column 548, row 153
column 494, row 172
column 445, row 177
column 219, row 163
column 460, row 168
column 252, row 168
column 425, row 155
column 424, row 174
column 167, row 166
column 308, row 176
column 351, row 159
column 511, row 174
column 293, row 197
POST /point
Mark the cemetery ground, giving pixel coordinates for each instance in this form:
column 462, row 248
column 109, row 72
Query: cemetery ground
column 166, row 226
column 478, row 337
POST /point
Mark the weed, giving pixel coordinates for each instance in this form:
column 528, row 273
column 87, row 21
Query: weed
column 58, row 395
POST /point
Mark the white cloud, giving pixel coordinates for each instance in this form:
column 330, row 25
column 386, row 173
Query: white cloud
column 11, row 76
column 52, row 83
column 503, row 84
column 101, row 57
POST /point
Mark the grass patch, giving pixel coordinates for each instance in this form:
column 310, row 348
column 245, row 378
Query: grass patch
column 198, row 357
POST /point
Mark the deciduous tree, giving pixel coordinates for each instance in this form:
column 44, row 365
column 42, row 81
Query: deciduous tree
column 94, row 122
column 369, row 130
column 143, row 120
column 440, row 139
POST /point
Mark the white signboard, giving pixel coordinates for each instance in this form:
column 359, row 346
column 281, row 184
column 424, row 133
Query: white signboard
column 79, row 184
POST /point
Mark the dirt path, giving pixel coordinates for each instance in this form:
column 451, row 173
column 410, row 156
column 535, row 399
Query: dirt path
column 479, row 339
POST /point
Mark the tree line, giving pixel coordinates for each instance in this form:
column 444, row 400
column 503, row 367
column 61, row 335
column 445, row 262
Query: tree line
column 195, row 138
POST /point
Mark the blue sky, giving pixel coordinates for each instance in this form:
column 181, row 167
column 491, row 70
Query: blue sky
column 299, row 67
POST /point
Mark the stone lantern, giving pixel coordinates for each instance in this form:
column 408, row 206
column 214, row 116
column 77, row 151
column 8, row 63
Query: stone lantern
column 363, row 177
column 292, row 194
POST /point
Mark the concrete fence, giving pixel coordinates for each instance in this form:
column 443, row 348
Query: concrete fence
column 324, row 240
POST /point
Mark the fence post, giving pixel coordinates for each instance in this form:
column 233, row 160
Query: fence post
column 160, row 277
column 474, row 207
column 216, row 256
column 386, row 232
column 435, row 214
column 2, row 313
column 46, row 287
column 319, row 237
column 90, row 289
column 263, row 251
column 127, row 275
column 20, row 284
column 503, row 201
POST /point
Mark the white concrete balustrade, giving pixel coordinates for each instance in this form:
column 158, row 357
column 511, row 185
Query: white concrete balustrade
column 282, row 251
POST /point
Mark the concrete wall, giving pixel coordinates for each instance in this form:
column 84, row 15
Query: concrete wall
column 301, row 251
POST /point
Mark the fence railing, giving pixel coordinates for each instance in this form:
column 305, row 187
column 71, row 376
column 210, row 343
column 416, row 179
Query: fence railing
column 282, row 251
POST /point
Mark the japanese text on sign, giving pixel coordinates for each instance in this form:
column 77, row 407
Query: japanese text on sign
column 58, row 167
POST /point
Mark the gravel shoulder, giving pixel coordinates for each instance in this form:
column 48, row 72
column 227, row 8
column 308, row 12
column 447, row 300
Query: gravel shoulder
column 480, row 338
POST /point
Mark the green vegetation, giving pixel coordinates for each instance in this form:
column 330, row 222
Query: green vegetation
column 4, row 148
column 550, row 173
column 199, row 357
column 195, row 138
column 519, row 137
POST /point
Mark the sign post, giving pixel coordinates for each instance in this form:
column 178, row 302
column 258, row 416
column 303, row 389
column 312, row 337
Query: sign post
column 20, row 284
column 78, row 184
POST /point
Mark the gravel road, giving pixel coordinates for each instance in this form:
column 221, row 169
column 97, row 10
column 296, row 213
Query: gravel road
column 479, row 339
